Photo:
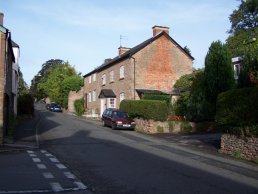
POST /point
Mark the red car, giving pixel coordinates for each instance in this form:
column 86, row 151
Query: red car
column 117, row 119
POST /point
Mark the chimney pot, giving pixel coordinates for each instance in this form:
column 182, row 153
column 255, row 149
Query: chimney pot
column 1, row 19
column 157, row 29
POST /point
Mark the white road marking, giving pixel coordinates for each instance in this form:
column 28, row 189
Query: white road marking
column 54, row 160
column 56, row 187
column 30, row 151
column 69, row 175
column 36, row 160
column 48, row 175
column 43, row 151
column 32, row 155
column 48, row 155
column 80, row 185
column 60, row 166
column 41, row 166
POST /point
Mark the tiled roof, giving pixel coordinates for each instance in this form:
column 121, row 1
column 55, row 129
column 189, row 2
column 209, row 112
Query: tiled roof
column 134, row 50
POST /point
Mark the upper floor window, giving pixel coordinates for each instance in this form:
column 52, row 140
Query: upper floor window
column 103, row 79
column 122, row 72
column 94, row 95
column 89, row 96
column 112, row 77
column 122, row 96
column 89, row 79
column 94, row 77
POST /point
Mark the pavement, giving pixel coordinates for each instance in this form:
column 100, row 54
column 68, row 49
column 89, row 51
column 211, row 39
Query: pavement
column 25, row 167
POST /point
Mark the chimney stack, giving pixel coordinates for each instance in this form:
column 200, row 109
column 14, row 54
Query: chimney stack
column 122, row 50
column 158, row 29
column 1, row 19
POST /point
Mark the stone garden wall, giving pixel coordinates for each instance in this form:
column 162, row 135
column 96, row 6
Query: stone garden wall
column 246, row 147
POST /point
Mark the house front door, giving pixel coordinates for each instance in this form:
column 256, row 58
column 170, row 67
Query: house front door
column 103, row 106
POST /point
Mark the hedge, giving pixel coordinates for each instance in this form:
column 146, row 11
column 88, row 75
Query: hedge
column 160, row 97
column 237, row 111
column 146, row 109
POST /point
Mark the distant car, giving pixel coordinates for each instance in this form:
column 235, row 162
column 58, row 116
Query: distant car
column 117, row 119
column 55, row 107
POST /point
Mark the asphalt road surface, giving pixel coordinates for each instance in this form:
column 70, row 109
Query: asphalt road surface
column 126, row 162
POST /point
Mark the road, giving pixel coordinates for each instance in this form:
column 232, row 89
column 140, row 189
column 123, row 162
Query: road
column 126, row 162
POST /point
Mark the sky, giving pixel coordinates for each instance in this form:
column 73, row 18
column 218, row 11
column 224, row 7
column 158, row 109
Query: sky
column 85, row 32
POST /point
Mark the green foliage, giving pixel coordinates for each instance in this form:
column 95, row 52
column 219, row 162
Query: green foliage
column 25, row 105
column 187, row 50
column 218, row 73
column 160, row 97
column 185, row 126
column 57, row 83
column 243, row 40
column 170, row 126
column 245, row 17
column 236, row 154
column 237, row 111
column 23, row 87
column 79, row 106
column 193, row 104
column 184, row 83
column 146, row 109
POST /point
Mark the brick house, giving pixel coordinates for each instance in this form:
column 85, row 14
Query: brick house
column 7, row 96
column 152, row 66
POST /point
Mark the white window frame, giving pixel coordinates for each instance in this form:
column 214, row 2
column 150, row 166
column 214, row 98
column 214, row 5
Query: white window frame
column 122, row 72
column 103, row 79
column 113, row 104
column 89, row 96
column 122, row 96
column 112, row 76
column 93, row 95
column 90, row 79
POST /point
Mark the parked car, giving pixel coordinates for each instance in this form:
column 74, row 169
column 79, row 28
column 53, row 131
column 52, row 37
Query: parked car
column 55, row 107
column 117, row 119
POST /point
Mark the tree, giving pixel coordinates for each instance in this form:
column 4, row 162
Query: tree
column 58, row 81
column 243, row 40
column 41, row 75
column 23, row 87
column 218, row 73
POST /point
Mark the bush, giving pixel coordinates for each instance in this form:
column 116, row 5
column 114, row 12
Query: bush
column 146, row 109
column 25, row 105
column 237, row 111
column 160, row 97
column 79, row 106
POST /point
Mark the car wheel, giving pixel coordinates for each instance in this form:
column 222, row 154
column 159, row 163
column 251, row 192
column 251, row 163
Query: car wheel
column 104, row 124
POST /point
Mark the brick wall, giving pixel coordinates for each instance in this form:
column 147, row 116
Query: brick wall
column 2, row 62
column 242, row 147
column 160, row 64
column 73, row 95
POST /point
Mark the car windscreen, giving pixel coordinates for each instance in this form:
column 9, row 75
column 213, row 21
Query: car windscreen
column 120, row 114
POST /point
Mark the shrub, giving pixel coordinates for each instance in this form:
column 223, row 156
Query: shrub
column 237, row 111
column 146, row 109
column 79, row 106
column 25, row 104
column 160, row 97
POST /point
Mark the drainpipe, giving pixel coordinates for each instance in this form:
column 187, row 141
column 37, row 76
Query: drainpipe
column 134, row 61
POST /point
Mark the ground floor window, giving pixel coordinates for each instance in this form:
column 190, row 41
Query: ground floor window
column 112, row 103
